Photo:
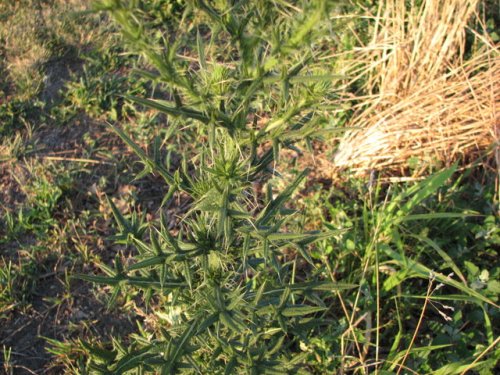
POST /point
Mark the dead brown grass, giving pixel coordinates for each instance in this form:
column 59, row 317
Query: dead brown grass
column 425, row 101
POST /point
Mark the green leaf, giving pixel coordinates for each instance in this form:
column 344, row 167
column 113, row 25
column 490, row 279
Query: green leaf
column 201, row 50
column 103, row 354
column 208, row 322
column 448, row 260
column 273, row 207
column 183, row 341
column 288, row 236
column 122, row 222
column 494, row 286
column 162, row 106
column 132, row 360
column 421, row 191
column 300, row 310
column 308, row 25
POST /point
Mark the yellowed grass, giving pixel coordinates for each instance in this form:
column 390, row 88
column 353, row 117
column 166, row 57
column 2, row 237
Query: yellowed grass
column 424, row 101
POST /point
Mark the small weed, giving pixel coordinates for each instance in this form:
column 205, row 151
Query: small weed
column 7, row 367
column 42, row 196
column 101, row 84
column 8, row 298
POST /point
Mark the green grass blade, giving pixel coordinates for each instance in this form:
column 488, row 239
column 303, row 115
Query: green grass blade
column 424, row 272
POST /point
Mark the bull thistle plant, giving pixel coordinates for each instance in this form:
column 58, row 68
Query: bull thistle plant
column 230, row 299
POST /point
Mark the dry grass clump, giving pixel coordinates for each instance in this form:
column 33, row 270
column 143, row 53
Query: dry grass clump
column 424, row 100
